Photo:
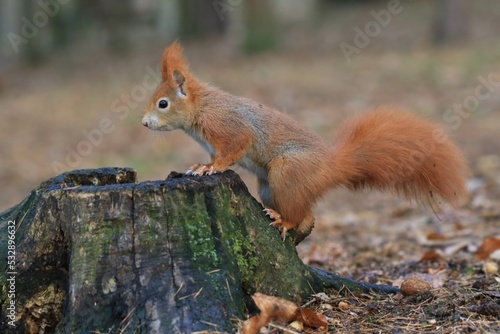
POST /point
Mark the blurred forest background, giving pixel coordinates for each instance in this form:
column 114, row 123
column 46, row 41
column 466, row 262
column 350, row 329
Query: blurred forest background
column 75, row 76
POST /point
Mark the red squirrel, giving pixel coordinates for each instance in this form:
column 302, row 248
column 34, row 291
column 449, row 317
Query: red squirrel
column 385, row 149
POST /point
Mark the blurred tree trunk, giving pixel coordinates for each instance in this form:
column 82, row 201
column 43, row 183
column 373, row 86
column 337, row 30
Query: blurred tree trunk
column 65, row 24
column 10, row 11
column 96, row 252
column 34, row 50
column 34, row 29
column 116, row 17
column 260, row 26
column 200, row 18
column 168, row 19
column 451, row 23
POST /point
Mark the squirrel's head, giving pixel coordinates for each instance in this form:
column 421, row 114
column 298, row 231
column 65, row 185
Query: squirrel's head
column 172, row 104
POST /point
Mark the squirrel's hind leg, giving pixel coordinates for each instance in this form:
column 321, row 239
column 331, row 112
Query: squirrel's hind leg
column 278, row 223
column 301, row 231
column 292, row 193
column 305, row 228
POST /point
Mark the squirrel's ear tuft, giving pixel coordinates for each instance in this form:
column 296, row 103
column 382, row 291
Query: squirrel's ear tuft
column 180, row 81
column 172, row 60
column 178, row 77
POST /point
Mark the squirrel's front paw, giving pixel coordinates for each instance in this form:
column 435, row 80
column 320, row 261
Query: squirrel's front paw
column 278, row 222
column 200, row 169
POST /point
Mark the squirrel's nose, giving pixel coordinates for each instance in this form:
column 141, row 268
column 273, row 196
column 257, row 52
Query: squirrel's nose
column 145, row 123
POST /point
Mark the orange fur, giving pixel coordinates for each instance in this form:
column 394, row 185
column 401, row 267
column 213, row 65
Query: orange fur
column 385, row 149
column 389, row 148
column 172, row 59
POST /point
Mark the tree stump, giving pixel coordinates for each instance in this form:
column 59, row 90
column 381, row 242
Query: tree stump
column 94, row 251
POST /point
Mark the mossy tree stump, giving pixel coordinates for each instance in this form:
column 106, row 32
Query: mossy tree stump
column 97, row 252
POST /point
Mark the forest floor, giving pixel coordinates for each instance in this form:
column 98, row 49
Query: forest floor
column 47, row 112
column 453, row 251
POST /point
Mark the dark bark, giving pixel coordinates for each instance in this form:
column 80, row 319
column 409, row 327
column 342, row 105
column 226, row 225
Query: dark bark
column 97, row 252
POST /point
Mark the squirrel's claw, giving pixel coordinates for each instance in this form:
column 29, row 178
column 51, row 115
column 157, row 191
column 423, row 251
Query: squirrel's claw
column 273, row 215
column 277, row 222
column 192, row 169
column 200, row 170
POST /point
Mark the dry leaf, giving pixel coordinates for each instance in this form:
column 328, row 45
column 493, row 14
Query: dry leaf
column 344, row 306
column 455, row 248
column 432, row 271
column 437, row 278
column 436, row 236
column 310, row 318
column 297, row 325
column 281, row 310
column 431, row 256
column 488, row 246
column 322, row 297
column 271, row 309
column 326, row 307
column 490, row 268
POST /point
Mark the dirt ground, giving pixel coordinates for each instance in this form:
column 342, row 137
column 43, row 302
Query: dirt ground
column 49, row 112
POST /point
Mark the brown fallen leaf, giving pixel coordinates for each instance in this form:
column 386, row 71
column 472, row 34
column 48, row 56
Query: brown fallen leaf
column 436, row 236
column 436, row 272
column 281, row 310
column 431, row 256
column 271, row 309
column 488, row 246
column 310, row 318
column 344, row 306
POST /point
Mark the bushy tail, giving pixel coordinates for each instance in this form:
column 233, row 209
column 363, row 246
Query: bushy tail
column 391, row 149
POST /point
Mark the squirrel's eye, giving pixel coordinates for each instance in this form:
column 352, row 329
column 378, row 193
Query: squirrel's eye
column 163, row 104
